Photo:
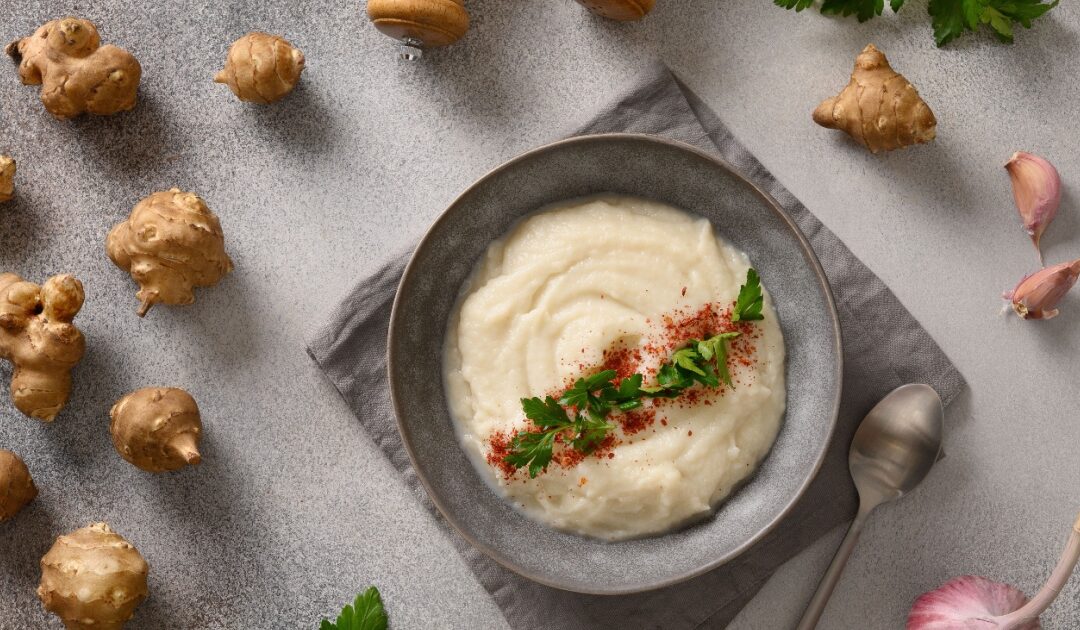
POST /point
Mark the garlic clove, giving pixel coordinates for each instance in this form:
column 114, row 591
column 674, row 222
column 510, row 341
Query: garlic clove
column 1037, row 189
column 1037, row 294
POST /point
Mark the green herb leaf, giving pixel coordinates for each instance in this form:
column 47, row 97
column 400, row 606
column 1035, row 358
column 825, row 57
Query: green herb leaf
column 532, row 450
column 592, row 428
column 365, row 613
column 862, row 9
column 750, row 300
column 546, row 413
column 798, row 5
column 581, row 394
column 688, row 358
column 952, row 17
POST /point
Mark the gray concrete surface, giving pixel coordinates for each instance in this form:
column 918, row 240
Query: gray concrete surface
column 293, row 510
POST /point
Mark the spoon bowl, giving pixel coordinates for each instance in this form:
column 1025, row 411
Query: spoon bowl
column 897, row 444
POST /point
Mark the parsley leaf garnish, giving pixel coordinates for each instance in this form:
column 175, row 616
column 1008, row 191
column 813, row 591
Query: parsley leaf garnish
column 580, row 414
column 950, row 18
column 532, row 449
column 366, row 613
column 749, row 303
column 545, row 414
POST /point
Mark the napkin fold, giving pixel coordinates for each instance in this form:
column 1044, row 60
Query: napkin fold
column 884, row 347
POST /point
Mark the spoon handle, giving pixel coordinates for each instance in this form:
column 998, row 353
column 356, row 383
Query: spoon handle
column 832, row 575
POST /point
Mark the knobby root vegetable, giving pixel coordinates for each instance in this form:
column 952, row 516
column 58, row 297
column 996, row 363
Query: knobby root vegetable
column 621, row 10
column 170, row 244
column 7, row 178
column 39, row 339
column 16, row 487
column 879, row 108
column 93, row 579
column 76, row 73
column 261, row 68
column 157, row 429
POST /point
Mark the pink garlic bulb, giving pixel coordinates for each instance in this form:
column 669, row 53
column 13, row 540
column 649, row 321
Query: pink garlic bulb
column 1036, row 296
column 958, row 604
column 1037, row 190
column 976, row 603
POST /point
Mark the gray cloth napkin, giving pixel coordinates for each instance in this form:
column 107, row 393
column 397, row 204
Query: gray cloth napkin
column 884, row 347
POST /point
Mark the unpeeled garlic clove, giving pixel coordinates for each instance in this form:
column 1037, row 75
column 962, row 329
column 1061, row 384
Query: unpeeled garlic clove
column 1037, row 295
column 1037, row 189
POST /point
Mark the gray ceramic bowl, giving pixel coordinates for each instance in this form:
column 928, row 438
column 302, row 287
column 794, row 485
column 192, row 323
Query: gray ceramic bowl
column 686, row 178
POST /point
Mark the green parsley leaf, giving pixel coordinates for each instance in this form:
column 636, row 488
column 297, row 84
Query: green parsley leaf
column 591, row 429
column 688, row 358
column 546, row 413
column 629, row 390
column 862, row 9
column 798, row 5
column 581, row 394
column 670, row 378
column 952, row 17
column 532, row 450
column 715, row 347
column 749, row 303
column 366, row 613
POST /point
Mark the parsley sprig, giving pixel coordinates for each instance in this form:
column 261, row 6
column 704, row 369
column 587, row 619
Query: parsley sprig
column 950, row 18
column 580, row 414
column 365, row 613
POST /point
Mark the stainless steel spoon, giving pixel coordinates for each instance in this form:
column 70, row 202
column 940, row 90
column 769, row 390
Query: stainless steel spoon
column 894, row 447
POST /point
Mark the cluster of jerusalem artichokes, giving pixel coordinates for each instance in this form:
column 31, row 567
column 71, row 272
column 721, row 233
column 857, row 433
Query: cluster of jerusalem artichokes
column 171, row 243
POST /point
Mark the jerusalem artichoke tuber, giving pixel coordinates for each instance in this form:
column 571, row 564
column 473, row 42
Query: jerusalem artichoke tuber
column 16, row 487
column 621, row 10
column 38, row 337
column 170, row 244
column 7, row 178
column 879, row 108
column 93, row 579
column 76, row 73
column 157, row 429
column 420, row 24
column 261, row 68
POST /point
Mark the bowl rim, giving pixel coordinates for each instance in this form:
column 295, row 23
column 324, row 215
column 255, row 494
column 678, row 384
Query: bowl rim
column 808, row 255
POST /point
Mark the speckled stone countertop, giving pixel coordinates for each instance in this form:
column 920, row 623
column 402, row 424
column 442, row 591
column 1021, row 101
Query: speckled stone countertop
column 293, row 509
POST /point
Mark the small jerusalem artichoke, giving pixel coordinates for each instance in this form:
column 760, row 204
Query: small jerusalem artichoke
column 157, row 429
column 170, row 244
column 7, row 178
column 76, row 73
column 93, row 579
column 38, row 337
column 621, row 10
column 16, row 486
column 261, row 68
column 879, row 108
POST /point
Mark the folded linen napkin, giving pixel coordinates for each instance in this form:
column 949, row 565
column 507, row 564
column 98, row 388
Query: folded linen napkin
column 884, row 347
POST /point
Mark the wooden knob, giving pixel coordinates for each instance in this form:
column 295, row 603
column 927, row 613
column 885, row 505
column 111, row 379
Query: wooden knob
column 621, row 10
column 423, row 23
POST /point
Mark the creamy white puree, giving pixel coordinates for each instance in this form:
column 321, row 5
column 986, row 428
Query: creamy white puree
column 564, row 285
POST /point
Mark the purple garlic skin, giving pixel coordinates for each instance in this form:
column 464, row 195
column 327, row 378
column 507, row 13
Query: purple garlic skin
column 959, row 603
column 1037, row 295
column 1037, row 190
